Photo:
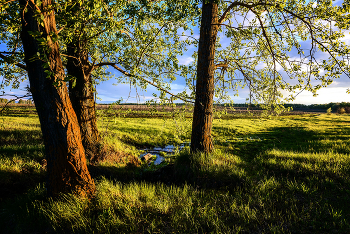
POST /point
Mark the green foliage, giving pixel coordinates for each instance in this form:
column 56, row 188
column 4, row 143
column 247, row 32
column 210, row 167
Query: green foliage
column 10, row 20
column 329, row 111
column 263, row 36
column 139, row 37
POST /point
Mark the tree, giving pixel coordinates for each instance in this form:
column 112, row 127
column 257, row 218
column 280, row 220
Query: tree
column 66, row 164
column 81, row 93
column 274, row 30
column 203, row 109
column 136, row 38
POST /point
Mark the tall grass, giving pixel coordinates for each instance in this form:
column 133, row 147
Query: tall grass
column 282, row 175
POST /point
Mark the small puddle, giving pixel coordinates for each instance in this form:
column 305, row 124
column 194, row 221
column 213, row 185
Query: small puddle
column 158, row 151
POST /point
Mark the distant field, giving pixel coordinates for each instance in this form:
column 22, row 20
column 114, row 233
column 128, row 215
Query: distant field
column 287, row 174
column 165, row 111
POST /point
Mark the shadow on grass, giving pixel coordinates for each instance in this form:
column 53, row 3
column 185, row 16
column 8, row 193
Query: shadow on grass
column 178, row 174
column 13, row 183
column 20, row 137
column 24, row 145
column 21, row 153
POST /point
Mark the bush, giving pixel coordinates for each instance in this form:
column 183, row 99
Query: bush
column 347, row 109
column 341, row 110
column 3, row 100
column 24, row 101
column 329, row 111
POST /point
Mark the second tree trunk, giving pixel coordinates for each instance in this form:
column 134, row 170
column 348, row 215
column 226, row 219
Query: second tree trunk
column 81, row 93
column 201, row 140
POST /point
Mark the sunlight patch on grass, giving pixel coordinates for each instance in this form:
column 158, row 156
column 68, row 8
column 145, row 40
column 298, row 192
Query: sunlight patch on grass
column 313, row 162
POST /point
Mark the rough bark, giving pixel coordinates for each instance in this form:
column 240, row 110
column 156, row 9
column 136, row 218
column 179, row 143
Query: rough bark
column 66, row 164
column 81, row 93
column 203, row 110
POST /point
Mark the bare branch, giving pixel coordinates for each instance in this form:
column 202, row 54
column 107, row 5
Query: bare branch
column 141, row 78
column 16, row 98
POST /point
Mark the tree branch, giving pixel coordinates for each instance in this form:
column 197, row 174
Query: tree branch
column 9, row 60
column 6, row 3
column 143, row 51
column 228, row 9
column 16, row 98
column 139, row 77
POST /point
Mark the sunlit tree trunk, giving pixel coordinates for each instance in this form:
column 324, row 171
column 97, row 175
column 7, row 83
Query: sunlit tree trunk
column 203, row 110
column 66, row 164
column 81, row 93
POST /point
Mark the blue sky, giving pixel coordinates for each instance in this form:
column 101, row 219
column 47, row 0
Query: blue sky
column 108, row 92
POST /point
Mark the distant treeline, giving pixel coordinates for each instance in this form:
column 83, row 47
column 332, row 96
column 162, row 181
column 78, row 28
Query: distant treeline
column 333, row 106
column 20, row 101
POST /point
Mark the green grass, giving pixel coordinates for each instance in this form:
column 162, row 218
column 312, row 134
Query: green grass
column 281, row 175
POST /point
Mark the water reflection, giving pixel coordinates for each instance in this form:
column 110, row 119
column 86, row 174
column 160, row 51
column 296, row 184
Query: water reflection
column 159, row 151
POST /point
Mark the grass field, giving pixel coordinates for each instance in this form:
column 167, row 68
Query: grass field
column 288, row 174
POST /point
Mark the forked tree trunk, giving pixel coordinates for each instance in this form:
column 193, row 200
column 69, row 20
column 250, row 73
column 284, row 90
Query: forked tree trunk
column 81, row 93
column 201, row 140
column 66, row 164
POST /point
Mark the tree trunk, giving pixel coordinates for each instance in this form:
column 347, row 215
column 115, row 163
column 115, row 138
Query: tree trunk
column 66, row 164
column 81, row 94
column 203, row 110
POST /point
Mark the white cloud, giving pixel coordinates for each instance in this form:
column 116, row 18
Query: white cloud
column 326, row 95
column 346, row 37
column 177, row 87
column 185, row 60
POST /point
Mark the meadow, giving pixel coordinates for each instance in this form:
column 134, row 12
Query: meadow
column 286, row 174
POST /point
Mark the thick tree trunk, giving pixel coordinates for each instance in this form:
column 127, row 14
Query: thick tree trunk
column 66, row 164
column 81, row 93
column 203, row 110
